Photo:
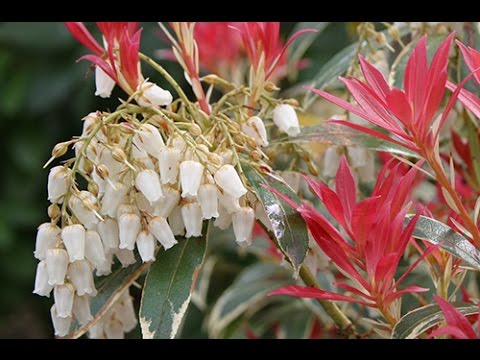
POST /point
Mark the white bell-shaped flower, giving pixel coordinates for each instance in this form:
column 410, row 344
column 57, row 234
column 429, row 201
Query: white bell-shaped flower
column 153, row 95
column 47, row 237
column 243, row 221
column 114, row 329
column 127, row 209
column 165, row 206
column 224, row 218
column 96, row 331
column 125, row 312
column 108, row 231
column 143, row 204
column 285, row 117
column 227, row 178
column 255, row 128
column 292, row 178
column 58, row 183
column 42, row 287
column 146, row 246
column 148, row 138
column 169, row 163
column 63, row 295
column 229, row 202
column 103, row 83
column 331, row 161
column 159, row 227
column 105, row 268
column 79, row 203
column 148, row 183
column 191, row 174
column 61, row 325
column 57, row 263
column 208, row 199
column 113, row 197
column 81, row 276
column 126, row 257
column 81, row 309
column 94, row 249
column 73, row 237
column 193, row 219
column 129, row 225
column 175, row 220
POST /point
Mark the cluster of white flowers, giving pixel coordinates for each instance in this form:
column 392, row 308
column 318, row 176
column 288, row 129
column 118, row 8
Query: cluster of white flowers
column 142, row 192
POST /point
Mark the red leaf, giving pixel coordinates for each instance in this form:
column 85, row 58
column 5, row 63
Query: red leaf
column 374, row 78
column 345, row 187
column 455, row 318
column 80, row 32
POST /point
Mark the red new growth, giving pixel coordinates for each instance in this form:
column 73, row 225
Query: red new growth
column 376, row 240
column 407, row 114
column 119, row 58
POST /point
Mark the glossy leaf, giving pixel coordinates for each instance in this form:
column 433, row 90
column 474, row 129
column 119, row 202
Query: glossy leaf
column 419, row 320
column 336, row 134
column 437, row 232
column 250, row 288
column 169, row 285
column 288, row 226
column 110, row 288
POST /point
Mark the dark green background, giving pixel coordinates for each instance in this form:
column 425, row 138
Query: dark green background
column 43, row 96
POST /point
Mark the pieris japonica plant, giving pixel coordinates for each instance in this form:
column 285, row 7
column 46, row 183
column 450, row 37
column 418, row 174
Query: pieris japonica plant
column 371, row 214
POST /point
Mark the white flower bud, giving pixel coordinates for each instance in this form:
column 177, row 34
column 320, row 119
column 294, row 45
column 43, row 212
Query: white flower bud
column 42, row 287
column 114, row 329
column 47, row 237
column 331, row 161
column 129, row 226
column 229, row 202
column 103, row 82
column 224, row 218
column 127, row 209
column 57, row 183
column 171, row 198
column 94, row 249
column 255, row 128
column 126, row 257
column 148, row 183
column 175, row 220
column 108, row 231
column 73, row 237
column 159, row 227
column 125, row 312
column 61, row 325
column 112, row 198
column 153, row 95
column 57, row 263
column 208, row 199
column 105, row 268
column 81, row 309
column 243, row 221
column 285, row 117
column 148, row 138
column 89, row 123
column 96, row 331
column 357, row 157
column 178, row 142
column 193, row 219
column 191, row 174
column 227, row 178
column 63, row 295
column 169, row 162
column 146, row 246
column 81, row 276
column 78, row 204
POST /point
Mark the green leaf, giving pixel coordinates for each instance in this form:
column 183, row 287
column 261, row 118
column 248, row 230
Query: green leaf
column 250, row 288
column 298, row 48
column 169, row 285
column 289, row 228
column 419, row 320
column 110, row 288
column 336, row 134
column 437, row 232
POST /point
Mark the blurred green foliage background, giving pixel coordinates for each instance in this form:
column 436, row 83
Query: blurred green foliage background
column 43, row 96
